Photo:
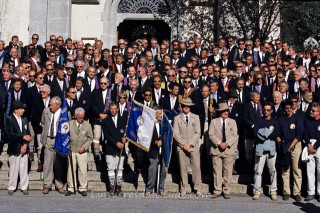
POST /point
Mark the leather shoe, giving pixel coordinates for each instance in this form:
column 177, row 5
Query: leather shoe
column 274, row 197
column 309, row 197
column 68, row 193
column 286, row 197
column 226, row 196
column 214, row 195
column 162, row 194
column 40, row 167
column 297, row 198
column 83, row 193
column 10, row 192
column 61, row 190
column 25, row 192
column 256, row 197
column 147, row 194
column 45, row 190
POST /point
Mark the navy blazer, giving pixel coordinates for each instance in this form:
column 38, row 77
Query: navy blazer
column 113, row 134
column 15, row 135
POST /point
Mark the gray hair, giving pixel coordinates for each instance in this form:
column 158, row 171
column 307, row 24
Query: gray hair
column 46, row 88
column 275, row 93
column 79, row 110
column 285, row 83
column 56, row 100
column 134, row 80
column 253, row 93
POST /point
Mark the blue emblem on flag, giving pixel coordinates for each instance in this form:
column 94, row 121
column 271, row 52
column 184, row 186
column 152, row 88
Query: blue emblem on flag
column 62, row 142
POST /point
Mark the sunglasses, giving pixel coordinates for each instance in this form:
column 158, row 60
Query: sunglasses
column 49, row 69
column 31, row 76
column 294, row 101
column 187, row 82
column 224, row 54
column 35, row 38
column 90, row 49
column 147, row 94
column 259, row 78
column 183, row 71
column 285, row 65
column 156, row 81
column 73, row 92
column 103, row 83
column 314, row 111
column 78, row 66
column 121, row 43
column 267, row 110
column 122, row 97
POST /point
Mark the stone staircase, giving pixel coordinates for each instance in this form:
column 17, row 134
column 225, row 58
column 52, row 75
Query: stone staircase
column 98, row 178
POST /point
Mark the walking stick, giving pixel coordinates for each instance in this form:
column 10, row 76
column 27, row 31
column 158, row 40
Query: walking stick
column 159, row 168
column 116, row 175
column 73, row 179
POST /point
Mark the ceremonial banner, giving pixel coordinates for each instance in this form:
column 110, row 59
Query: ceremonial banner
column 166, row 138
column 140, row 125
column 62, row 142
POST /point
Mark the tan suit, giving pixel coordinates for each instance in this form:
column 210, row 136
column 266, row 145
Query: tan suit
column 223, row 160
column 188, row 133
column 79, row 138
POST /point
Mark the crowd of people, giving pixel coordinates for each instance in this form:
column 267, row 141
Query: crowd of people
column 248, row 99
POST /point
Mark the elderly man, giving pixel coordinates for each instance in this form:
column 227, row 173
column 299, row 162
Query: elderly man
column 18, row 139
column 81, row 138
column 52, row 159
column 223, row 134
column 187, row 133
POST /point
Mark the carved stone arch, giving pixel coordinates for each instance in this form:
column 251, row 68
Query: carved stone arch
column 111, row 19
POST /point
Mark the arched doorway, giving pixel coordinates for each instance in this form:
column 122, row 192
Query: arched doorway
column 135, row 29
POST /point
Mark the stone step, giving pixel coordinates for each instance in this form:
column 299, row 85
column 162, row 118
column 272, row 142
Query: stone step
column 96, row 186
column 131, row 177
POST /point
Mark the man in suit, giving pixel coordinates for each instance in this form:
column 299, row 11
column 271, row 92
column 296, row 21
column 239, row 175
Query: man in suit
column 14, row 94
column 83, row 95
column 118, row 86
column 187, row 133
column 218, row 97
column 242, row 91
column 49, row 75
column 147, row 100
column 19, row 137
column 80, row 139
column 123, row 104
column 158, row 93
column 225, row 62
column 54, row 163
column 144, row 81
column 223, row 134
column 91, row 82
column 113, row 128
column 58, row 85
column 170, row 104
column 154, row 158
column 252, row 110
column 100, row 100
column 232, row 49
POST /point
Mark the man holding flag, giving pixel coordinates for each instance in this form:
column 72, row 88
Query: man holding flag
column 56, row 142
column 155, row 156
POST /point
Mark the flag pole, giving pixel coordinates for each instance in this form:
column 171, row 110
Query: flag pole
column 73, row 178
column 159, row 168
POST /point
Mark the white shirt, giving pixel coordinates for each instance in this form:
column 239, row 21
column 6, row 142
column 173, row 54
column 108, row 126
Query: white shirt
column 93, row 83
column 157, row 95
column 81, row 74
column 60, row 82
column 79, row 93
column 147, row 103
column 172, row 101
column 115, row 119
column 46, row 102
column 225, row 121
column 55, row 121
column 19, row 121
column 158, row 128
column 104, row 95
column 121, row 108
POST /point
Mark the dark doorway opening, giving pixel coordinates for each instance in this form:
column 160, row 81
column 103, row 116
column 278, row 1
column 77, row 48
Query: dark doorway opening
column 135, row 29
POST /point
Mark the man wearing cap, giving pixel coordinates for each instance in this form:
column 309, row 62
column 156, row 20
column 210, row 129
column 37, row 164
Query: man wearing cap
column 223, row 133
column 18, row 138
column 187, row 133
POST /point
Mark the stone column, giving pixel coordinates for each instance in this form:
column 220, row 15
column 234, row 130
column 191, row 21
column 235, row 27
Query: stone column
column 38, row 19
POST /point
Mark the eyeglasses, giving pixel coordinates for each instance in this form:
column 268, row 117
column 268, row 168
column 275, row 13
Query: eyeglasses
column 122, row 97
column 129, row 53
column 151, row 65
column 241, row 43
column 314, row 111
column 285, row 65
column 28, row 67
column 79, row 66
column 59, row 40
column 31, row 76
column 189, row 67
column 267, row 110
column 230, row 41
column 259, row 78
column 171, row 76
column 175, row 54
column 183, row 71
column 156, row 81
column 49, row 69
column 103, row 83
column 224, row 54
column 248, row 45
column 187, row 82
column 190, row 43
column 271, row 61
column 57, row 50
column 52, row 55
column 73, row 92
column 239, row 66
column 121, row 43
column 294, row 101
column 90, row 49
column 278, row 43
column 35, row 38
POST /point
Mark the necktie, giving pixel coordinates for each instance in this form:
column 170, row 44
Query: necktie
column 52, row 126
column 159, row 133
column 114, row 121
column 90, row 81
column 240, row 97
column 205, row 102
column 70, row 104
column 305, row 107
column 17, row 98
column 7, row 85
column 78, row 128
column 224, row 131
column 187, row 119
